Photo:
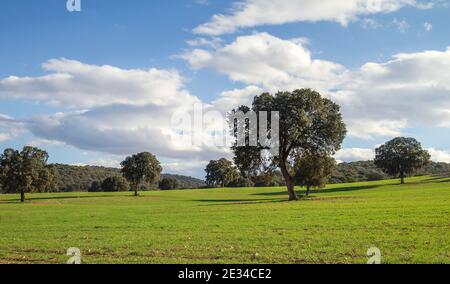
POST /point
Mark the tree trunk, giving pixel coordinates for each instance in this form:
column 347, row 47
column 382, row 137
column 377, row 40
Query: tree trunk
column 289, row 182
column 307, row 190
column 402, row 177
column 136, row 188
column 22, row 195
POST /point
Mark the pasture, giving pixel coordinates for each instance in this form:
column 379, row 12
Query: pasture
column 408, row 223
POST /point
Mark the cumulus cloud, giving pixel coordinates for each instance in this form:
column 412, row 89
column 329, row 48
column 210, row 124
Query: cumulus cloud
column 271, row 62
column 251, row 13
column 355, row 154
column 9, row 128
column 229, row 100
column 439, row 156
column 75, row 84
column 377, row 99
column 116, row 111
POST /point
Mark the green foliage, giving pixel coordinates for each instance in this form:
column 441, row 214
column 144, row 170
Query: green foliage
column 26, row 171
column 313, row 171
column 308, row 123
column 96, row 186
column 115, row 184
column 81, row 178
column 401, row 156
column 220, row 172
column 169, row 183
column 142, row 167
column 242, row 182
column 269, row 178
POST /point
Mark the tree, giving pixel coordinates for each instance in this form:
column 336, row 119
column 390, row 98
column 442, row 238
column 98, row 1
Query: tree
column 47, row 181
column 169, row 183
column 20, row 172
column 308, row 123
column 139, row 168
column 220, row 173
column 312, row 171
column 401, row 156
column 96, row 186
column 115, row 184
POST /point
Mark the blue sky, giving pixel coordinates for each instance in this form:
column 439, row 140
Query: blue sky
column 354, row 48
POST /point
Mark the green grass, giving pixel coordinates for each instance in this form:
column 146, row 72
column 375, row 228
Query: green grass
column 410, row 224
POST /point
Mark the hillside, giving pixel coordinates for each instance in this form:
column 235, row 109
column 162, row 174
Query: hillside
column 76, row 178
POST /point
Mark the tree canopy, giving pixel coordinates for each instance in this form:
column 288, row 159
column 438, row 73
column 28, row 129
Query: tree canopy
column 141, row 167
column 307, row 123
column 26, row 171
column 169, row 183
column 220, row 173
column 115, row 184
column 401, row 156
column 313, row 171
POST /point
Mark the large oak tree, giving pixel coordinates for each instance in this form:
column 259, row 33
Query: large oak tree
column 308, row 123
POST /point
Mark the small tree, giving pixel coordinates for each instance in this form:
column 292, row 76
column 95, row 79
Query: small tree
column 401, row 156
column 139, row 168
column 220, row 173
column 115, row 184
column 313, row 171
column 169, row 183
column 20, row 171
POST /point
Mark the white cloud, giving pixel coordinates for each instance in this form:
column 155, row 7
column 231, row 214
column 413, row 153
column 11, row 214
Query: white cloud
column 122, row 111
column 274, row 63
column 4, row 137
column 9, row 128
column 78, row 85
column 378, row 99
column 439, row 156
column 214, row 42
column 108, row 163
column 252, row 13
column 355, row 154
column 428, row 26
column 229, row 100
column 368, row 23
column 401, row 25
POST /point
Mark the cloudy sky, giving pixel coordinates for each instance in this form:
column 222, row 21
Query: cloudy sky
column 93, row 86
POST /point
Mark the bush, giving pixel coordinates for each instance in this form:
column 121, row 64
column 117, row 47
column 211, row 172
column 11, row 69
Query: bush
column 96, row 186
column 241, row 182
column 169, row 183
column 115, row 184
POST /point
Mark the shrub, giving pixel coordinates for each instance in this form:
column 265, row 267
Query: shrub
column 115, row 184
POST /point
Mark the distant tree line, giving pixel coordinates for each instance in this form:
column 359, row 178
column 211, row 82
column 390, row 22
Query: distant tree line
column 27, row 171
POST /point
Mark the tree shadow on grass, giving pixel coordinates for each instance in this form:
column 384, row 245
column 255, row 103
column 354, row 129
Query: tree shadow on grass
column 27, row 200
column 220, row 202
column 321, row 191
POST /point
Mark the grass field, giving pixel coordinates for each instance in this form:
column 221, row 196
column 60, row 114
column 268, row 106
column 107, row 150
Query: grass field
column 409, row 224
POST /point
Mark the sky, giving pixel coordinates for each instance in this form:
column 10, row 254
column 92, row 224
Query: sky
column 94, row 86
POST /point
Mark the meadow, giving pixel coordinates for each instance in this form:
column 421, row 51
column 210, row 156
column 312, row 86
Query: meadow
column 408, row 223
